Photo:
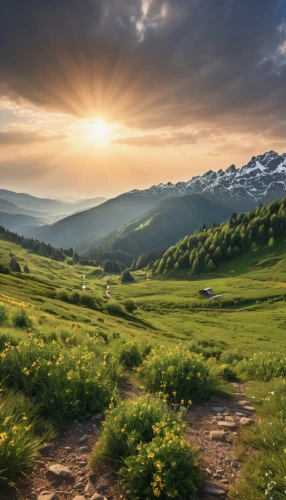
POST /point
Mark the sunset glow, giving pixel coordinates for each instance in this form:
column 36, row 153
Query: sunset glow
column 98, row 132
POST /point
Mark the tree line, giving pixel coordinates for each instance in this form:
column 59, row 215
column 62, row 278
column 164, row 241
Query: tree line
column 207, row 247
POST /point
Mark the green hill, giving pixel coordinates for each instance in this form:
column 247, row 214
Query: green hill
column 206, row 249
column 161, row 226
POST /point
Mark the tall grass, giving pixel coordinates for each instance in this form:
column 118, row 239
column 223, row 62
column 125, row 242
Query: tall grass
column 22, row 433
column 181, row 375
column 68, row 382
column 263, row 366
column 265, row 471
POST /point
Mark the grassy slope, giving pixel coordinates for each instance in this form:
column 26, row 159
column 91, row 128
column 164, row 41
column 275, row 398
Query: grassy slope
column 170, row 309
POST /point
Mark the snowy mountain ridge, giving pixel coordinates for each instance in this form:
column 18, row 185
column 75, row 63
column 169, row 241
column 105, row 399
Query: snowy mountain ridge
column 263, row 178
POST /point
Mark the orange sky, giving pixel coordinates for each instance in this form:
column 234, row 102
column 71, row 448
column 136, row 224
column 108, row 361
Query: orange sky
column 178, row 87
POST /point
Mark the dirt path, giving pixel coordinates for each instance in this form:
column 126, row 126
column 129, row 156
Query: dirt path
column 214, row 431
column 72, row 479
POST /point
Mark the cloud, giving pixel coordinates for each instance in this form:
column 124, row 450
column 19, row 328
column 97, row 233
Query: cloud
column 17, row 137
column 171, row 138
column 148, row 64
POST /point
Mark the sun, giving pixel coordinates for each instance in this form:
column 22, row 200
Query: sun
column 98, row 132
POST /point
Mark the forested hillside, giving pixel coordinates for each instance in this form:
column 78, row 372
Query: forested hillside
column 206, row 248
column 160, row 227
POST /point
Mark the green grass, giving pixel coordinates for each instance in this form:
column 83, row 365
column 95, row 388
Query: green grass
column 73, row 356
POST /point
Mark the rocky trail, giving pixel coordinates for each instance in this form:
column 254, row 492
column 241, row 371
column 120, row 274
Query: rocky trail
column 62, row 472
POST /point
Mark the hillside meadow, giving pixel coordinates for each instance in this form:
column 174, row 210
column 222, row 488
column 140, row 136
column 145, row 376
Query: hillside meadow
column 66, row 353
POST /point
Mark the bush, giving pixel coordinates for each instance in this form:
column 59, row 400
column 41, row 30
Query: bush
column 207, row 348
column 128, row 425
column 227, row 373
column 130, row 306
column 166, row 467
column 231, row 356
column 115, row 309
column 14, row 265
column 68, row 382
column 90, row 301
column 263, row 366
column 21, row 435
column 130, row 355
column 3, row 315
column 21, row 319
column 63, row 295
column 126, row 277
column 178, row 373
column 4, row 269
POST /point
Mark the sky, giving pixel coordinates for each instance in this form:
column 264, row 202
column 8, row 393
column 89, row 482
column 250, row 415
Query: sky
column 100, row 97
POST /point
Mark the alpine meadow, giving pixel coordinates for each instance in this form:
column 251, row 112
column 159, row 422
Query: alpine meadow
column 142, row 250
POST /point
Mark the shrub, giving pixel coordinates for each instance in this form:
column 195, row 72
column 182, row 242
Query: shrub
column 74, row 297
column 3, row 315
column 14, row 265
column 115, row 309
column 21, row 319
column 231, row 356
column 90, row 301
column 166, row 467
column 129, row 424
column 179, row 373
column 68, row 382
column 126, row 277
column 207, row 348
column 63, row 295
column 263, row 366
column 130, row 306
column 130, row 355
column 4, row 269
column 227, row 373
column 21, row 435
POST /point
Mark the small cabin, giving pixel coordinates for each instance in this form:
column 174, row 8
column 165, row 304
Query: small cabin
column 206, row 292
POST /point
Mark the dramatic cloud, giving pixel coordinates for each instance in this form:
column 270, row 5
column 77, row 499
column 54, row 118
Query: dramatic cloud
column 13, row 137
column 148, row 63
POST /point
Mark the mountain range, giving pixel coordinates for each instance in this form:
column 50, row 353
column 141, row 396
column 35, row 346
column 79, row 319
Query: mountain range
column 261, row 180
column 21, row 211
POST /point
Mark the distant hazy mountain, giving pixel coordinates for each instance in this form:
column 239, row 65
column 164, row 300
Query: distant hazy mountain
column 47, row 206
column 19, row 222
column 163, row 225
column 263, row 179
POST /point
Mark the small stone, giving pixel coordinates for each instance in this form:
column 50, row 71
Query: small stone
column 97, row 496
column 217, row 409
column 217, row 435
column 246, row 421
column 83, row 439
column 83, row 449
column 212, row 491
column 249, row 408
column 240, row 414
column 47, row 449
column 220, row 471
column 227, row 425
column 60, row 470
column 68, row 449
column 209, row 471
column 47, row 495
column 79, row 486
column 225, row 481
column 229, row 419
column 98, row 416
column 243, row 402
column 217, row 476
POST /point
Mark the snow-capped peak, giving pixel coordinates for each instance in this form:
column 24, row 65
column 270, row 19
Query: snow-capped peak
column 264, row 177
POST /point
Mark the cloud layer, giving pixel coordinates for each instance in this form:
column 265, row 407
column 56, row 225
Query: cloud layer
column 149, row 63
